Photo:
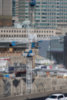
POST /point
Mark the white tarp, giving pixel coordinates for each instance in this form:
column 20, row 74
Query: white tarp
column 42, row 60
column 3, row 64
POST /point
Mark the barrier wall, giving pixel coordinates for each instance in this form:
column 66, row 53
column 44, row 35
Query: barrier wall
column 45, row 85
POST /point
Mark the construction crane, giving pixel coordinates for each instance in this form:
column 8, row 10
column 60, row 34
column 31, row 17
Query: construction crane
column 32, row 4
column 29, row 54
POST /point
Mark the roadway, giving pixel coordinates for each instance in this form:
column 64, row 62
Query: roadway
column 42, row 98
column 39, row 96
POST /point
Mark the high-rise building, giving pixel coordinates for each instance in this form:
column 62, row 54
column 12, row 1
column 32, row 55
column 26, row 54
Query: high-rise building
column 20, row 9
column 13, row 7
column 47, row 14
column 5, row 12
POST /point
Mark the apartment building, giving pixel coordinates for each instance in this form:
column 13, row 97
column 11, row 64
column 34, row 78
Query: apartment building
column 50, row 14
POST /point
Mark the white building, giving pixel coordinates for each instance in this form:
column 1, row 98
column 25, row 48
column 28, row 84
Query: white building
column 19, row 34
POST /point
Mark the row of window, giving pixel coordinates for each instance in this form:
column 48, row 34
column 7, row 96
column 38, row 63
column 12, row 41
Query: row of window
column 7, row 36
column 12, row 31
column 13, row 35
column 38, row 31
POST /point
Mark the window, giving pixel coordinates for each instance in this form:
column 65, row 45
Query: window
column 19, row 31
column 53, row 97
column 38, row 35
column 3, row 35
column 9, row 36
column 24, row 35
column 61, row 96
column 14, row 35
column 14, row 30
column 65, row 94
column 9, row 31
column 6, row 35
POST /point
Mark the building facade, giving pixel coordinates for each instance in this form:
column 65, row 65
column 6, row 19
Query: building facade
column 20, row 10
column 58, row 50
column 47, row 14
column 5, row 12
column 13, row 41
column 20, row 34
column 13, row 7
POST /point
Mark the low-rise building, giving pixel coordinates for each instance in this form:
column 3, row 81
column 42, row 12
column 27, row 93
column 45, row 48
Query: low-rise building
column 21, row 34
column 13, row 41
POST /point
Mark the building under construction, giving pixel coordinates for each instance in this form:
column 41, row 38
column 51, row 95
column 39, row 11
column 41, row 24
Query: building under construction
column 5, row 13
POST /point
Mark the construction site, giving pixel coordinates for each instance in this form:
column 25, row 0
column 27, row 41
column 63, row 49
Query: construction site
column 24, row 74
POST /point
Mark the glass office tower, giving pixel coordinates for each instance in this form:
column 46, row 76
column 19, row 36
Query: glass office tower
column 48, row 13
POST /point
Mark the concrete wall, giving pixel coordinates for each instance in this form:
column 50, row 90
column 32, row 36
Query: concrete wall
column 0, row 7
column 40, row 85
column 6, row 7
column 5, row 13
